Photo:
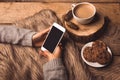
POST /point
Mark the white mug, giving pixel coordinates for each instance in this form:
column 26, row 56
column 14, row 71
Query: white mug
column 85, row 20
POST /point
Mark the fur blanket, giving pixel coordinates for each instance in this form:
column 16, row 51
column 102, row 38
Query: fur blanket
column 22, row 58
column 24, row 63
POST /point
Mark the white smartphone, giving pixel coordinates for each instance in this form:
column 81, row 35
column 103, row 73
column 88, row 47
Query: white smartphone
column 53, row 38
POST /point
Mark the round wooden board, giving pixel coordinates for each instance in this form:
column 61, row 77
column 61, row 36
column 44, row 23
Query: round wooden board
column 88, row 29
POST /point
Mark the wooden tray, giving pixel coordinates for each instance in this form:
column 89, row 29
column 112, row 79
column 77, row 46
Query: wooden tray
column 87, row 32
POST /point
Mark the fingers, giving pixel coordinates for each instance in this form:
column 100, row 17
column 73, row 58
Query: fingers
column 45, row 31
column 42, row 53
column 38, row 38
column 42, row 33
column 60, row 45
column 45, row 53
column 51, row 56
column 58, row 51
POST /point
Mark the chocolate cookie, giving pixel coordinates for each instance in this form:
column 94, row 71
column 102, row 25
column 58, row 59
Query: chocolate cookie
column 97, row 53
column 88, row 54
column 99, row 45
column 104, row 58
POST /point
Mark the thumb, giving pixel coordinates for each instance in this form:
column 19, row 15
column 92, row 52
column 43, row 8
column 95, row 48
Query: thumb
column 47, row 53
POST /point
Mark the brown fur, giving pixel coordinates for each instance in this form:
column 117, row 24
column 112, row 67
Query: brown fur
column 24, row 63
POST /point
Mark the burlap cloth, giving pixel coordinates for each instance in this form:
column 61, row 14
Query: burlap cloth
column 76, row 68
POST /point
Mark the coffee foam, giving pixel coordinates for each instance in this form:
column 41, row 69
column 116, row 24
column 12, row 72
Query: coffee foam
column 84, row 11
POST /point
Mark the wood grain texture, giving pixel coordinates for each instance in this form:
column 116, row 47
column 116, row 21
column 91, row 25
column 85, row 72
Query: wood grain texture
column 88, row 29
column 110, row 36
column 111, row 72
column 63, row 0
column 14, row 11
column 86, row 33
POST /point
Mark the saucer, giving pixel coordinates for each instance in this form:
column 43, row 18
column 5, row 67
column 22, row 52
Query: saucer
column 93, row 64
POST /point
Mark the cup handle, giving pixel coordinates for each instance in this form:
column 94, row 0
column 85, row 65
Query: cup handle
column 73, row 5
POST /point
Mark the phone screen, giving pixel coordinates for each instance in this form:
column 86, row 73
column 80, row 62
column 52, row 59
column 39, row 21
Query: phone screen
column 52, row 39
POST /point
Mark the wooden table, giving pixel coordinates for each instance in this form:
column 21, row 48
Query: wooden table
column 11, row 11
column 14, row 11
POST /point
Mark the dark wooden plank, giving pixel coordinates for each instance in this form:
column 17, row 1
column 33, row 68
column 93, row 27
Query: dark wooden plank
column 13, row 11
column 62, row 0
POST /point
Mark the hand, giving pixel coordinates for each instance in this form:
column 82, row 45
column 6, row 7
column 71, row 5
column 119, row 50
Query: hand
column 51, row 56
column 39, row 37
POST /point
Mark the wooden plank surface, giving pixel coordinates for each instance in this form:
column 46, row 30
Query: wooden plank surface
column 64, row 0
column 13, row 11
column 111, row 72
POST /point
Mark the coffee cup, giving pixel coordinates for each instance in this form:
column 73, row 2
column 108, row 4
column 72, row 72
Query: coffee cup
column 83, row 12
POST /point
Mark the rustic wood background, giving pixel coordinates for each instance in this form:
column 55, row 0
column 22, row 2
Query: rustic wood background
column 64, row 0
column 14, row 11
